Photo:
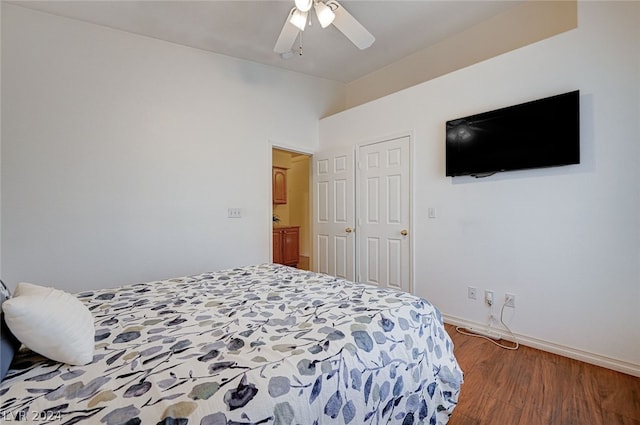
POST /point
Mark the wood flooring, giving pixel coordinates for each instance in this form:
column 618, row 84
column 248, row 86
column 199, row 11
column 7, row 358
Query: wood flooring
column 304, row 263
column 533, row 387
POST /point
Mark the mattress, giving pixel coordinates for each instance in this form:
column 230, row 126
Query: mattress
column 262, row 344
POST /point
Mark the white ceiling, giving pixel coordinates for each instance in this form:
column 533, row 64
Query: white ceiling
column 249, row 29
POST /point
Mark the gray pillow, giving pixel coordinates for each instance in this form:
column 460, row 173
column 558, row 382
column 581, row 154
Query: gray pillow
column 9, row 344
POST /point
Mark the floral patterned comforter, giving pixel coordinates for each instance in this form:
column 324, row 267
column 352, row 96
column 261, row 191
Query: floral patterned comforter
column 263, row 344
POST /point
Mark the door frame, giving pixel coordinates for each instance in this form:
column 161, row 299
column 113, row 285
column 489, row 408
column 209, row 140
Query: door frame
column 412, row 240
column 271, row 144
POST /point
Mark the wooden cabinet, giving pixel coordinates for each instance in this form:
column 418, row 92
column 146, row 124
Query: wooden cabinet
column 286, row 248
column 279, row 185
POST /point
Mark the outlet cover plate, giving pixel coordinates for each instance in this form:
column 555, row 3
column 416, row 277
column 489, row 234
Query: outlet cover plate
column 472, row 292
column 509, row 300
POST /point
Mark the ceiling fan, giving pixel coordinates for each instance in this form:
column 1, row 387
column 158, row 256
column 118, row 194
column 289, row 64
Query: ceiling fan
column 328, row 12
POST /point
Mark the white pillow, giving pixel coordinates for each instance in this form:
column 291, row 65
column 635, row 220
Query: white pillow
column 52, row 323
column 25, row 288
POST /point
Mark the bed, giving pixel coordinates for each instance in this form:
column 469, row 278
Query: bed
column 263, row 344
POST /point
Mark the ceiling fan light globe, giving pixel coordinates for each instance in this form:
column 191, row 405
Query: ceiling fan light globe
column 299, row 19
column 325, row 14
column 303, row 5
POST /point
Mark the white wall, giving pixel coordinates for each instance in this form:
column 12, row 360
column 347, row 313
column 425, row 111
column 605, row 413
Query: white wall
column 565, row 240
column 121, row 154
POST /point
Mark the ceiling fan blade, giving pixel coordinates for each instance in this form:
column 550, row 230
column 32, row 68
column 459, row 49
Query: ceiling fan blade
column 287, row 36
column 350, row 27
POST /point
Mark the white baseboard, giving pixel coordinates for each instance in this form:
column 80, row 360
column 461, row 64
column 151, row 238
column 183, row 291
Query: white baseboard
column 562, row 350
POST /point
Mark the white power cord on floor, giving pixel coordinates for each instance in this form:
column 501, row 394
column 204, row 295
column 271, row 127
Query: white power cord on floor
column 464, row 331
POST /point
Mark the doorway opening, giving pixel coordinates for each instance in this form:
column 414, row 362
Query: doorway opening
column 291, row 208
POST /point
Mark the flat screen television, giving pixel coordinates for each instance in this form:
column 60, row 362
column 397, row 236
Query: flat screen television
column 540, row 133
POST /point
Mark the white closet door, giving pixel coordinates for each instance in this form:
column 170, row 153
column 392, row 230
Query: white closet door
column 384, row 237
column 334, row 213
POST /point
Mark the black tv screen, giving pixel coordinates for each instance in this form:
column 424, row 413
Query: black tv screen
column 541, row 133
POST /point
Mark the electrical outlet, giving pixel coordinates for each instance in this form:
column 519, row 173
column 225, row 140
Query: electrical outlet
column 510, row 300
column 471, row 292
column 234, row 213
column 488, row 297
